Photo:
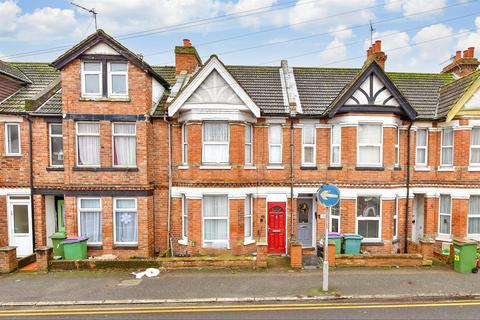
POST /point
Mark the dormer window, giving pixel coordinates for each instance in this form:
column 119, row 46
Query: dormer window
column 104, row 79
column 92, row 79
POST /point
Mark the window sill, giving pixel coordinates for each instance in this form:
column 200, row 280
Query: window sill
column 183, row 167
column 249, row 167
column 125, row 246
column 13, row 155
column 275, row 167
column 55, row 169
column 215, row 167
column 443, row 238
column 332, row 167
column 450, row 168
column 248, row 241
column 474, row 168
column 308, row 167
column 110, row 99
column 106, row 169
column 183, row 242
column 360, row 168
column 397, row 168
column 421, row 168
column 373, row 243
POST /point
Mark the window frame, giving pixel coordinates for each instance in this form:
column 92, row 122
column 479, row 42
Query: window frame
column 395, row 219
column 249, row 199
column 309, row 145
column 334, row 145
column 216, row 143
column 442, row 147
column 379, row 219
column 475, row 236
column 476, row 146
column 440, row 214
column 111, row 73
column 115, row 210
column 50, row 136
column 339, row 217
column 100, row 79
column 7, row 143
column 380, row 145
column 224, row 244
column 123, row 135
column 397, row 148
column 425, row 148
column 249, row 127
column 90, row 135
column 270, row 144
column 185, row 214
column 184, row 144
column 79, row 210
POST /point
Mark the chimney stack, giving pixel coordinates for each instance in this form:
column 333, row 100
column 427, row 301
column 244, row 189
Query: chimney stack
column 375, row 53
column 186, row 58
column 463, row 65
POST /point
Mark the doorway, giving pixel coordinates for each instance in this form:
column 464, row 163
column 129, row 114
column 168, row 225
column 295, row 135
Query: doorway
column 305, row 221
column 276, row 227
column 20, row 225
column 418, row 217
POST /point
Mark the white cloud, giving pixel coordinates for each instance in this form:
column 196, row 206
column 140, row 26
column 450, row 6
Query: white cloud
column 437, row 50
column 337, row 49
column 8, row 14
column 251, row 19
column 470, row 39
column 410, row 7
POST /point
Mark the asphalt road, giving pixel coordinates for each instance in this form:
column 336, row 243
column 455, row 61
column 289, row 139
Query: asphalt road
column 458, row 310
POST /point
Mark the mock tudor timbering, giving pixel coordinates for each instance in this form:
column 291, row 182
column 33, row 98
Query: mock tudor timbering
column 203, row 158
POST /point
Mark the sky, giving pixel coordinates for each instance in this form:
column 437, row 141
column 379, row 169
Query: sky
column 417, row 35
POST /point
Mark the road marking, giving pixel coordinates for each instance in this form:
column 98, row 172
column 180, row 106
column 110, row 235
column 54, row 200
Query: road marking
column 229, row 308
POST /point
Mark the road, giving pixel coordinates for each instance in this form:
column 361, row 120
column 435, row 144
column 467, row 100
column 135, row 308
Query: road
column 443, row 310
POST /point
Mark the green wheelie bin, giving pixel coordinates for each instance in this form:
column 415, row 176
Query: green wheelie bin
column 75, row 248
column 352, row 243
column 337, row 238
column 465, row 255
column 57, row 239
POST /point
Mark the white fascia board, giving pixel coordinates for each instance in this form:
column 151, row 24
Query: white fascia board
column 213, row 64
column 354, row 120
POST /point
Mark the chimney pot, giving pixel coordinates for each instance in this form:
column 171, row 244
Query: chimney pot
column 187, row 43
column 378, row 45
column 465, row 53
column 458, row 55
column 471, row 52
column 463, row 63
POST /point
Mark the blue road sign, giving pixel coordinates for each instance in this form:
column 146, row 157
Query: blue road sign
column 328, row 195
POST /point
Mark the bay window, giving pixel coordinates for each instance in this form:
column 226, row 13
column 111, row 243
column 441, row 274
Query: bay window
column 249, row 144
column 56, row 144
column 248, row 219
column 92, row 79
column 335, row 218
column 308, row 145
column 117, row 78
column 474, row 217
column 446, row 151
column 397, row 147
column 421, row 149
column 124, row 145
column 475, row 146
column 215, row 143
column 88, row 144
column 126, row 221
column 275, row 143
column 184, row 218
column 90, row 219
column 12, row 139
column 445, row 216
column 369, row 218
column 369, row 143
column 336, row 145
column 215, row 221
column 184, row 144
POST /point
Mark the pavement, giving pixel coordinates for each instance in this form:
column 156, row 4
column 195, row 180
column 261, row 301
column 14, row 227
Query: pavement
column 89, row 288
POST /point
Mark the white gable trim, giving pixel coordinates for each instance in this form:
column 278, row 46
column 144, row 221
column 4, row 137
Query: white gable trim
column 213, row 64
column 102, row 48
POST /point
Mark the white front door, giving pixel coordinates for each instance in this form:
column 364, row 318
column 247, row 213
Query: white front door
column 418, row 217
column 20, row 225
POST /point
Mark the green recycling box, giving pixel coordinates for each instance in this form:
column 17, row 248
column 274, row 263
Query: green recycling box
column 57, row 239
column 465, row 255
column 75, row 248
column 352, row 243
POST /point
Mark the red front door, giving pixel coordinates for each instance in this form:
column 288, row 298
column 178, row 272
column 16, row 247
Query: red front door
column 276, row 227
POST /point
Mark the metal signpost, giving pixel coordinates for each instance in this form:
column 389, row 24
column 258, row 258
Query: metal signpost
column 328, row 195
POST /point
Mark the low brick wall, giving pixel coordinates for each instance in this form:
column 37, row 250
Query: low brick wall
column 8, row 259
column 379, row 260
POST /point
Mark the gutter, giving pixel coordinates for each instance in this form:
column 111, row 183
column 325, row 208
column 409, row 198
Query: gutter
column 292, row 174
column 405, row 249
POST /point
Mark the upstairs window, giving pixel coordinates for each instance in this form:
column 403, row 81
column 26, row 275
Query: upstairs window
column 88, row 144
column 421, row 151
column 308, row 145
column 336, row 145
column 248, row 144
column 184, row 144
column 275, row 144
column 475, row 147
column 124, row 145
column 369, row 143
column 397, row 147
column 215, row 143
column 92, row 79
column 12, row 139
column 56, row 145
column 446, row 157
column 117, row 79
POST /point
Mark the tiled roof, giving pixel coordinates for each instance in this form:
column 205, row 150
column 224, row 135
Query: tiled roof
column 167, row 73
column 450, row 94
column 52, row 106
column 10, row 70
column 40, row 74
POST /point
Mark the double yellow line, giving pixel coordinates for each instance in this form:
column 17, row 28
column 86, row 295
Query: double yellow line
column 227, row 308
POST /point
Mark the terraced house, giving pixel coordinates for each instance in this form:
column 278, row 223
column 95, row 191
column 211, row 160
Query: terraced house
column 208, row 158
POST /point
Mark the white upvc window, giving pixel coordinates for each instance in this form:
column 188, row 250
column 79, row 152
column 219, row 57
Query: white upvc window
column 335, row 218
column 446, row 149
column 369, row 218
column 397, row 147
column 90, row 219
column 56, row 144
column 92, row 79
column 445, row 216
column 125, row 220
column 248, row 220
column 215, row 221
column 395, row 219
column 88, row 144
column 475, row 146
column 215, row 142
column 275, row 138
column 249, row 144
column 184, row 143
column 473, row 222
column 184, row 218
column 117, row 79
column 308, row 145
column 12, row 139
column 421, row 148
column 124, row 144
column 369, row 144
column 336, row 146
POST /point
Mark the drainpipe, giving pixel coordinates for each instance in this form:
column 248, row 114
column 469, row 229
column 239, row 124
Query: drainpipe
column 30, row 159
column 405, row 249
column 292, row 176
column 169, row 203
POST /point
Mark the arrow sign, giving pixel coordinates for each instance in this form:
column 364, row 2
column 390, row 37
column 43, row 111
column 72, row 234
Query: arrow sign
column 328, row 195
